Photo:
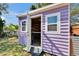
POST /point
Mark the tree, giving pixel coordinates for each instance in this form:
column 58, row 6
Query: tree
column 2, row 23
column 74, row 13
column 16, row 26
column 11, row 27
column 3, row 9
column 38, row 5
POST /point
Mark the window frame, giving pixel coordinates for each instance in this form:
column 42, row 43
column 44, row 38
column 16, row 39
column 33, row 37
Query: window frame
column 58, row 22
column 25, row 25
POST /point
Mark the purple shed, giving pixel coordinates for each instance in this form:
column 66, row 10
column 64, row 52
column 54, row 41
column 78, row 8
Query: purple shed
column 46, row 29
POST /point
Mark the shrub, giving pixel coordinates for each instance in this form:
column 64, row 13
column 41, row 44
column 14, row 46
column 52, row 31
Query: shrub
column 3, row 35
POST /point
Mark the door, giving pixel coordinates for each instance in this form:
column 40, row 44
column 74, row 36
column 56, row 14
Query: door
column 36, row 31
column 30, row 33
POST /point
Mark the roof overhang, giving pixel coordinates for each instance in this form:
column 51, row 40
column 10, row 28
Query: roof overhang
column 52, row 6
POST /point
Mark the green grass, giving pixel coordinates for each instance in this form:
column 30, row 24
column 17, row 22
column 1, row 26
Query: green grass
column 10, row 47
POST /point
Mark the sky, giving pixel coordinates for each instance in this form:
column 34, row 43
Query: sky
column 15, row 9
column 18, row 8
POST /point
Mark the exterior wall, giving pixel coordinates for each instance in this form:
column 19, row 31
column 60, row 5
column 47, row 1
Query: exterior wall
column 61, row 41
column 57, row 44
column 75, row 43
column 22, row 35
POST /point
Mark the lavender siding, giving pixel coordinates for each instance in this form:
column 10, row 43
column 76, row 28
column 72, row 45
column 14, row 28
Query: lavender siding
column 60, row 40
column 22, row 35
column 22, row 38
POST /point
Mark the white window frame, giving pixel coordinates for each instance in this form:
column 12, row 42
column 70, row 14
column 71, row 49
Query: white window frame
column 58, row 23
column 25, row 26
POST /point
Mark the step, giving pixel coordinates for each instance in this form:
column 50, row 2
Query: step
column 35, row 51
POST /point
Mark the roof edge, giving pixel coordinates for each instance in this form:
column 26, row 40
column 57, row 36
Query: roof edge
column 43, row 9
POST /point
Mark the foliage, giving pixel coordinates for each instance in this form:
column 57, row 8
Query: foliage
column 11, row 27
column 74, row 13
column 10, row 47
column 11, row 30
column 4, row 35
column 38, row 5
column 2, row 23
column 3, row 8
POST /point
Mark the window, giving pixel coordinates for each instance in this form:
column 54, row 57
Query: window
column 23, row 25
column 53, row 22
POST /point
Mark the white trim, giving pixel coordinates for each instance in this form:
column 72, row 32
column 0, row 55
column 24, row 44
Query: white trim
column 25, row 26
column 28, row 33
column 69, row 36
column 58, row 22
column 35, row 16
column 35, row 32
column 39, row 15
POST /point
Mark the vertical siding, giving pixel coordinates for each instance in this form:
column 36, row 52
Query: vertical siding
column 60, row 40
column 22, row 35
column 75, row 41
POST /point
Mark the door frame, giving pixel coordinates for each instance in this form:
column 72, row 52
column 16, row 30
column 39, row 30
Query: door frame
column 34, row 16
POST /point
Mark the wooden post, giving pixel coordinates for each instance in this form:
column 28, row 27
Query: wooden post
column 71, row 48
column 71, row 43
